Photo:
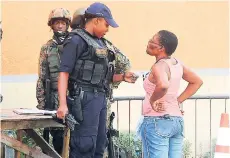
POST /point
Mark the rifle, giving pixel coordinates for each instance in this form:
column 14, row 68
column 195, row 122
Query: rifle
column 69, row 121
column 48, row 105
column 47, row 99
column 110, row 134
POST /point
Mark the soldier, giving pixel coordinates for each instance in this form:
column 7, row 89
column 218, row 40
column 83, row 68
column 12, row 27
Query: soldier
column 87, row 71
column 122, row 63
column 78, row 20
column 49, row 61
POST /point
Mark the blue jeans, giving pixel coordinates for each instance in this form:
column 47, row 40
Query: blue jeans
column 162, row 137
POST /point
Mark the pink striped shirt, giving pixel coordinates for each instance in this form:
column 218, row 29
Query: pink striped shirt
column 169, row 100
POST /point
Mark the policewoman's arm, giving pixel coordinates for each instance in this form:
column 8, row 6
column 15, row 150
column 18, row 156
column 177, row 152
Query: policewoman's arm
column 40, row 88
column 72, row 50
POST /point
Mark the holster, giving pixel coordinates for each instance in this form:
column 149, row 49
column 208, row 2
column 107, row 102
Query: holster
column 74, row 104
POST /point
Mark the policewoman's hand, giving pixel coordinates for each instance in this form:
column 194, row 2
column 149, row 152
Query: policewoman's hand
column 62, row 111
column 130, row 77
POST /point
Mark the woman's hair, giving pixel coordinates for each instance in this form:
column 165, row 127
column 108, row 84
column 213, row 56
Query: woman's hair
column 89, row 17
column 168, row 40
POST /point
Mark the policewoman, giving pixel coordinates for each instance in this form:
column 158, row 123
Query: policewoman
column 86, row 70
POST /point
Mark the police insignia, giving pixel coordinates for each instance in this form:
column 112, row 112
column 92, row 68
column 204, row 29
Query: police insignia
column 101, row 53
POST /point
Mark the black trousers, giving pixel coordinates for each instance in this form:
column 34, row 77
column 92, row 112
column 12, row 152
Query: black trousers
column 89, row 140
column 58, row 136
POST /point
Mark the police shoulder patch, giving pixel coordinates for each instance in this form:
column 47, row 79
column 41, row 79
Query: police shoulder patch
column 101, row 53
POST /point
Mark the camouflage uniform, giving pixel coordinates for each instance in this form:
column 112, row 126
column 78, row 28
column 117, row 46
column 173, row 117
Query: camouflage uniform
column 45, row 52
column 122, row 65
column 49, row 62
column 50, row 56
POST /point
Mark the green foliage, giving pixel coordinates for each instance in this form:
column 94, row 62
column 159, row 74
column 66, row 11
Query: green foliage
column 28, row 141
column 133, row 147
column 127, row 141
column 207, row 154
column 187, row 151
column 25, row 139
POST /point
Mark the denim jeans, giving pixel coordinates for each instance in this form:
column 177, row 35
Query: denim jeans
column 162, row 137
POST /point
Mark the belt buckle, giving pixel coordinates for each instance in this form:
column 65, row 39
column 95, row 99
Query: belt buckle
column 95, row 92
column 81, row 93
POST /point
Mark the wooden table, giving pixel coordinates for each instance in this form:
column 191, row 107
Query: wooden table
column 27, row 123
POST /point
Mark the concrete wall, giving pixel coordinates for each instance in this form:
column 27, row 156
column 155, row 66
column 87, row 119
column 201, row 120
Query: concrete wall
column 202, row 29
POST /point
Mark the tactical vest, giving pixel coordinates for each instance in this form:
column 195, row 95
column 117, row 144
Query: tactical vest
column 54, row 64
column 97, row 68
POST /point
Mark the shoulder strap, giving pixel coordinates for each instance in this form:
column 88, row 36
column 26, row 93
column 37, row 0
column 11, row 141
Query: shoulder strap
column 89, row 40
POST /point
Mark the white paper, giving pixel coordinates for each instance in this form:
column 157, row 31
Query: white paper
column 28, row 111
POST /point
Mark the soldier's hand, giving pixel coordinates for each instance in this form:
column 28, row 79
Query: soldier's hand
column 62, row 111
column 130, row 77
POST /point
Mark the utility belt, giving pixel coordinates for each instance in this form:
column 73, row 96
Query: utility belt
column 91, row 89
column 77, row 89
column 80, row 90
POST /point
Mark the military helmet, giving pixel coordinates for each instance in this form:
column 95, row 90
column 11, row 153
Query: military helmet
column 59, row 13
column 80, row 11
column 78, row 20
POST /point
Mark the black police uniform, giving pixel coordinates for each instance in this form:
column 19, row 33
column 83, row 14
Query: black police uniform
column 88, row 62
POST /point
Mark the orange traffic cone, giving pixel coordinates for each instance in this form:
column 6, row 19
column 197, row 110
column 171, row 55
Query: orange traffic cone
column 223, row 140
